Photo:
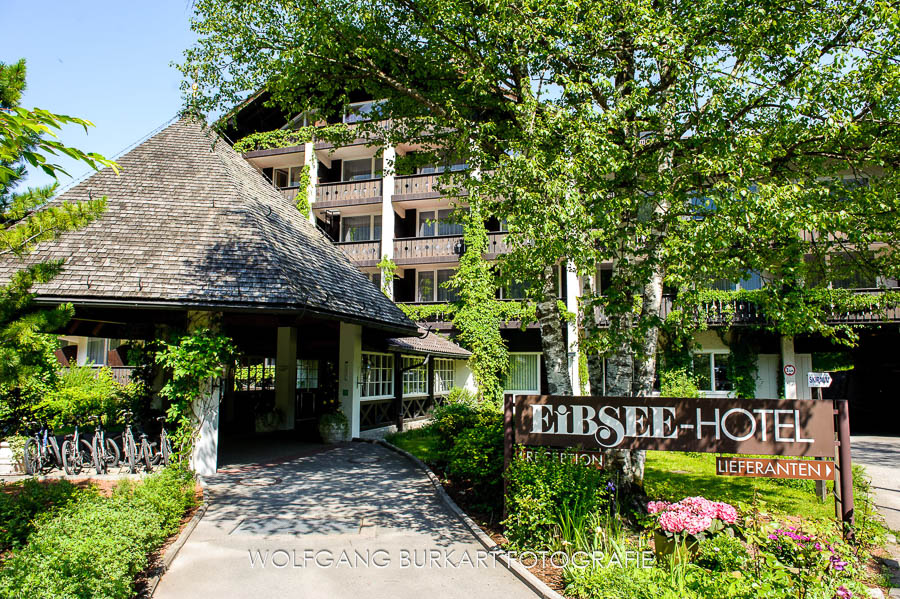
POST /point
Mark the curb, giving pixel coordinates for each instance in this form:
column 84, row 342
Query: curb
column 173, row 549
column 518, row 570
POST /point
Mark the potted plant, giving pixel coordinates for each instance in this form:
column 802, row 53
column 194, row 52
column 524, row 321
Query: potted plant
column 334, row 427
column 682, row 525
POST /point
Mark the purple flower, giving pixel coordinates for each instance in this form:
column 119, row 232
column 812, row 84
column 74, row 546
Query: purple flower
column 843, row 592
column 610, row 486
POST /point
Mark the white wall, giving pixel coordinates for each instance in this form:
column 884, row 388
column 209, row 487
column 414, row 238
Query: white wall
column 349, row 364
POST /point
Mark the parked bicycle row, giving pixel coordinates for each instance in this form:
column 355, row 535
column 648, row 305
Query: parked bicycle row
column 78, row 452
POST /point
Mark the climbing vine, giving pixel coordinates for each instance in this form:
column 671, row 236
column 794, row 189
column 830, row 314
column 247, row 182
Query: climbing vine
column 478, row 313
column 286, row 138
column 742, row 363
column 194, row 360
column 388, row 273
column 301, row 200
column 509, row 311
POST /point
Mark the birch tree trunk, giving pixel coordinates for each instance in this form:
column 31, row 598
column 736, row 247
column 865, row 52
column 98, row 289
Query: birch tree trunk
column 553, row 338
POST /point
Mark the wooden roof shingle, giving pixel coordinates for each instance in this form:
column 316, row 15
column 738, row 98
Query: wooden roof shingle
column 189, row 222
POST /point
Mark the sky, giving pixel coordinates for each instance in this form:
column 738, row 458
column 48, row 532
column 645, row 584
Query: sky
column 107, row 62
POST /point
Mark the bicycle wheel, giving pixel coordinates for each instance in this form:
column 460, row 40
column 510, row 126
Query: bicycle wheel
column 130, row 453
column 32, row 457
column 166, row 451
column 98, row 452
column 146, row 455
column 87, row 455
column 113, row 455
column 70, row 458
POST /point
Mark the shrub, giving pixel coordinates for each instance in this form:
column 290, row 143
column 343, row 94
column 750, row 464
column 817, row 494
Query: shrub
column 477, row 458
column 450, row 420
column 461, row 395
column 83, row 391
column 21, row 503
column 95, row 546
column 541, row 490
column 722, row 552
column 678, row 382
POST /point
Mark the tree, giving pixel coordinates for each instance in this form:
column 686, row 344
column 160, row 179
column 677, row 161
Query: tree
column 677, row 142
column 27, row 137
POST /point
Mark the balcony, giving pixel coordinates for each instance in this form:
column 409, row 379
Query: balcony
column 289, row 193
column 363, row 253
column 416, row 187
column 427, row 250
column 496, row 245
column 348, row 193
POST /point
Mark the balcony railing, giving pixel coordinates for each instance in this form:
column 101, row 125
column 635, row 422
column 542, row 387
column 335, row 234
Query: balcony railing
column 361, row 251
column 348, row 193
column 289, row 193
column 424, row 250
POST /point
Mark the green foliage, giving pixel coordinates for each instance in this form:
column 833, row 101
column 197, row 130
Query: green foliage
column 478, row 315
column 83, row 391
column 388, row 274
column 193, row 360
column 286, row 138
column 541, row 490
column 678, row 383
column 28, row 138
column 461, row 395
column 301, row 200
column 22, row 502
column 721, row 552
column 94, row 546
column 476, row 458
column 449, row 421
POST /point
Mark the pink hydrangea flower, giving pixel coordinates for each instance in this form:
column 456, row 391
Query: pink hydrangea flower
column 692, row 514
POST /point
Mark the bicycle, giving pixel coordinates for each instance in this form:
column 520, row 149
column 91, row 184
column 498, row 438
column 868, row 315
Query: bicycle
column 129, row 446
column 164, row 455
column 41, row 450
column 104, row 451
column 77, row 453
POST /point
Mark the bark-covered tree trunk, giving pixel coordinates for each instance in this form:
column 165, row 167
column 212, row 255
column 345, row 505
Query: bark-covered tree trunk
column 553, row 338
column 592, row 326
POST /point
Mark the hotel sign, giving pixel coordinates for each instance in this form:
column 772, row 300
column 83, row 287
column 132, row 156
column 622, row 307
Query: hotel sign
column 744, row 426
column 769, row 468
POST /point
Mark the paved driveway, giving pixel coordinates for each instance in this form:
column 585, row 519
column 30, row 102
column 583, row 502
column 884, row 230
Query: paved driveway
column 355, row 521
column 881, row 458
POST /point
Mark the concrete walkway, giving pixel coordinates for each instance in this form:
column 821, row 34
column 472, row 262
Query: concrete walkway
column 353, row 521
column 881, row 458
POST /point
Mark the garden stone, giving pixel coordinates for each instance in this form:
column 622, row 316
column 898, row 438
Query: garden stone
column 876, row 593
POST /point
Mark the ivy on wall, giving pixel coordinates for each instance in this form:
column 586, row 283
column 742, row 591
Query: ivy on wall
column 478, row 313
column 194, row 360
column 388, row 273
column 286, row 138
column 509, row 311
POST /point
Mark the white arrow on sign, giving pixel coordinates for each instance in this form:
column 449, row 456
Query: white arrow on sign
column 828, row 471
column 818, row 379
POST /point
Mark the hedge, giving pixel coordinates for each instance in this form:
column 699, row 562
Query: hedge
column 95, row 546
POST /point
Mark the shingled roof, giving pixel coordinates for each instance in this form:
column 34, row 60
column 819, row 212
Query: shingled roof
column 429, row 343
column 190, row 223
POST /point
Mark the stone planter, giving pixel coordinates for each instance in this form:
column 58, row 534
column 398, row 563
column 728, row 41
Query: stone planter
column 667, row 549
column 332, row 430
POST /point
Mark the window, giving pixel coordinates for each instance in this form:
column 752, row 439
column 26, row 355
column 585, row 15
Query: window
column 377, row 375
column 287, row 177
column 426, row 286
column 428, row 291
column 444, row 292
column 443, row 225
column 518, row 289
column 307, row 374
column 524, row 373
column 444, row 376
column 753, row 281
column 375, row 277
column 415, row 380
column 362, row 169
column 96, row 351
column 361, row 228
column 711, row 370
column 430, row 169
column 358, row 112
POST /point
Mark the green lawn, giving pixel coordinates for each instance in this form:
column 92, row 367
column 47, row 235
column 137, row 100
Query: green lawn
column 671, row 476
column 419, row 441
